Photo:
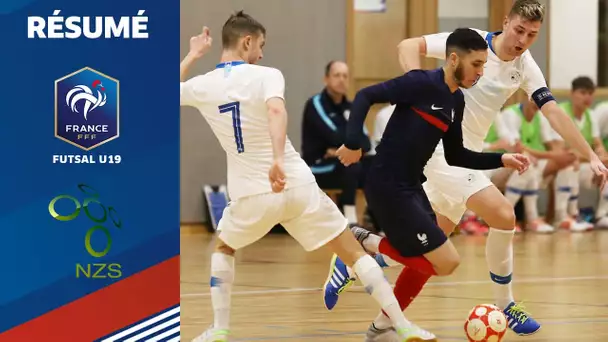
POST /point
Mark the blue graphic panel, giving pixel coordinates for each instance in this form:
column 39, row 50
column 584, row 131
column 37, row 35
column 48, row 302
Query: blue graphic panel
column 90, row 147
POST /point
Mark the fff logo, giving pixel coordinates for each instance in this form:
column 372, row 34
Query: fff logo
column 99, row 220
column 87, row 108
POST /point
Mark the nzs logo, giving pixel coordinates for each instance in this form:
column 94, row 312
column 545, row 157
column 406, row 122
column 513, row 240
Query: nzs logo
column 87, row 108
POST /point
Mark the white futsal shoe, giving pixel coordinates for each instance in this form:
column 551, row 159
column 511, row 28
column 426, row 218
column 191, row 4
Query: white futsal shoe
column 213, row 335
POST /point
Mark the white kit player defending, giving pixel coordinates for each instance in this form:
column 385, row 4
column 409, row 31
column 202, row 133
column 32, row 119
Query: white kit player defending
column 268, row 182
column 451, row 190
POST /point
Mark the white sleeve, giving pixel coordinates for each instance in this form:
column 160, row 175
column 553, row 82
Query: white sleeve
column 435, row 44
column 273, row 84
column 533, row 78
column 188, row 91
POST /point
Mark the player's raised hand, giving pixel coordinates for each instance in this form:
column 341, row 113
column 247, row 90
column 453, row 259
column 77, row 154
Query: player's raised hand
column 276, row 176
column 516, row 161
column 599, row 170
column 200, row 44
column 348, row 157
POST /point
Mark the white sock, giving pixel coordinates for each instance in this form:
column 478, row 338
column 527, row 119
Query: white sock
column 350, row 212
column 531, row 200
column 562, row 193
column 513, row 195
column 222, row 278
column 531, row 205
column 499, row 256
column 573, row 200
column 373, row 280
column 516, row 184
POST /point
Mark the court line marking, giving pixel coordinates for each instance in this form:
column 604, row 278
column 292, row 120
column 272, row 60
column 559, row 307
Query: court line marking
column 337, row 333
column 433, row 284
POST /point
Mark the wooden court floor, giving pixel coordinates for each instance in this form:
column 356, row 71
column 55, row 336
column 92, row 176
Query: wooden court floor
column 562, row 278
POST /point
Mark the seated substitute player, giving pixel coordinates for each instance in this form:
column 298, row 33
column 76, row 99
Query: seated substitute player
column 429, row 107
column 268, row 181
column 527, row 127
column 579, row 110
column 451, row 190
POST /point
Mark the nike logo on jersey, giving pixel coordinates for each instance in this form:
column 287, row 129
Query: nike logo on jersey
column 435, row 108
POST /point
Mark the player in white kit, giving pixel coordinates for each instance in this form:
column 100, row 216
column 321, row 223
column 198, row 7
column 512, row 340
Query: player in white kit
column 268, row 182
column 451, row 190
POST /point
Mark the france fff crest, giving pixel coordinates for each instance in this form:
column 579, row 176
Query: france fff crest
column 87, row 108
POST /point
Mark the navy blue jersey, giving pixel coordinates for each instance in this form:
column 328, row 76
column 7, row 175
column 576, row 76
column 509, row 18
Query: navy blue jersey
column 426, row 112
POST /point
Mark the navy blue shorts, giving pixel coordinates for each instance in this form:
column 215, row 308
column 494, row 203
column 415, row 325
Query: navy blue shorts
column 405, row 215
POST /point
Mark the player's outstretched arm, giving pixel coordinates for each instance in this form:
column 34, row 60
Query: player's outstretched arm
column 393, row 91
column 199, row 46
column 457, row 155
column 277, row 127
column 566, row 128
column 535, row 86
column 411, row 50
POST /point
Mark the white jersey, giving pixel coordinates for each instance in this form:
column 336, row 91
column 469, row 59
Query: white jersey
column 486, row 98
column 232, row 99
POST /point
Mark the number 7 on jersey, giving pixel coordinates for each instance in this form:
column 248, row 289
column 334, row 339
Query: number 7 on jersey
column 235, row 109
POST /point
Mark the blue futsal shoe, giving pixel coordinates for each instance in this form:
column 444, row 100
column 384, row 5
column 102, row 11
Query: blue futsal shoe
column 337, row 281
column 519, row 320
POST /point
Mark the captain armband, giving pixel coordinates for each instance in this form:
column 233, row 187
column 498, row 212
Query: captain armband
column 542, row 96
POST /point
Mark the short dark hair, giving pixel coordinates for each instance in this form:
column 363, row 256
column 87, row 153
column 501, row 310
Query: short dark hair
column 464, row 40
column 328, row 67
column 529, row 10
column 239, row 25
column 583, row 83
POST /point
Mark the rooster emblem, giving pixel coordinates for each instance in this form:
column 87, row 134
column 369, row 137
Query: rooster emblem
column 83, row 93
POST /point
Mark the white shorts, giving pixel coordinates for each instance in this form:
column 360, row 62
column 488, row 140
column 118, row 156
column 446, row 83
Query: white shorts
column 449, row 187
column 305, row 212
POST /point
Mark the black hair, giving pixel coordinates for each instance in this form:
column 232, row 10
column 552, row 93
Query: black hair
column 464, row 40
column 583, row 83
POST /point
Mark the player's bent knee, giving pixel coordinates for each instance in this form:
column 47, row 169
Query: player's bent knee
column 507, row 215
column 504, row 218
column 445, row 259
column 449, row 265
